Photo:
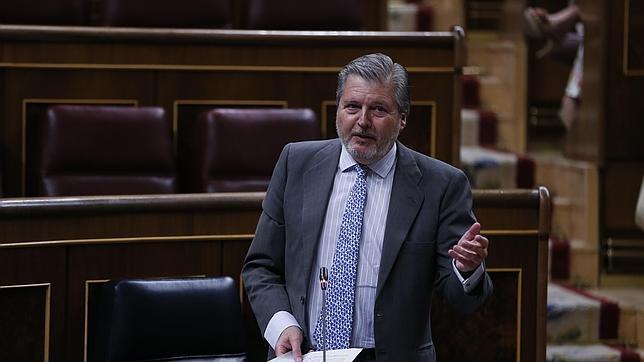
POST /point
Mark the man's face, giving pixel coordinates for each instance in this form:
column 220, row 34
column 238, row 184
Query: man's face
column 368, row 121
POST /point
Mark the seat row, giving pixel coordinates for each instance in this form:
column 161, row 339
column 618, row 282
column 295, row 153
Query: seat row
column 209, row 14
column 78, row 150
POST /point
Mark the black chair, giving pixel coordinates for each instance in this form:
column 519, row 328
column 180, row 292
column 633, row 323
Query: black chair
column 186, row 319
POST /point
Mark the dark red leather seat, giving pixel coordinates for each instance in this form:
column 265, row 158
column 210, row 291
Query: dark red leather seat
column 235, row 150
column 101, row 150
column 42, row 12
column 167, row 13
column 304, row 14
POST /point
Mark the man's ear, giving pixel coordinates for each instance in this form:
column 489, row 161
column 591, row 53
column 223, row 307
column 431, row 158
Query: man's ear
column 403, row 121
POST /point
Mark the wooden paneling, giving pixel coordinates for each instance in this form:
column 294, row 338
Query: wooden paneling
column 373, row 12
column 517, row 225
column 24, row 315
column 503, row 307
column 74, row 243
column 609, row 126
column 130, row 260
column 574, row 190
column 634, row 38
column 166, row 67
column 501, row 67
column 69, row 242
column 32, row 280
column 623, row 117
column 608, row 131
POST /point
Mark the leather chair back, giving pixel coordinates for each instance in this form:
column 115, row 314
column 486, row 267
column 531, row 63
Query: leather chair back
column 235, row 150
column 186, row 319
column 101, row 150
column 42, row 12
column 304, row 14
column 168, row 13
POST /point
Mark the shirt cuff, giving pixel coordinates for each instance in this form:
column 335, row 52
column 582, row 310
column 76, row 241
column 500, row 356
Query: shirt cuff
column 470, row 283
column 278, row 323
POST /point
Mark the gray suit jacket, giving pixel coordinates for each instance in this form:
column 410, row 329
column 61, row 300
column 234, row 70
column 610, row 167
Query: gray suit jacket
column 429, row 211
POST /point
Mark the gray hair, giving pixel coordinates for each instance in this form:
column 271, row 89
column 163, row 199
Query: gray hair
column 379, row 68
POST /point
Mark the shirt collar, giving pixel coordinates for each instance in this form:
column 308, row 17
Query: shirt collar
column 381, row 167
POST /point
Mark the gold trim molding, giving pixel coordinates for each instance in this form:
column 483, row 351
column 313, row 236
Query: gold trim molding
column 179, row 238
column 521, row 232
column 142, row 239
column 204, row 67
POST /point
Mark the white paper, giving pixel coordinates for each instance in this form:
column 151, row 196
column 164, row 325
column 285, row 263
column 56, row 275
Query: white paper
column 336, row 355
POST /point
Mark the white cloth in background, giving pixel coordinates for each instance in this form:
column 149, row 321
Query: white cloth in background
column 639, row 209
column 470, row 127
column 489, row 169
column 582, row 353
column 572, row 317
column 575, row 79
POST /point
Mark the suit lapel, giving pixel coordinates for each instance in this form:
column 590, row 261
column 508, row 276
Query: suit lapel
column 318, row 182
column 406, row 199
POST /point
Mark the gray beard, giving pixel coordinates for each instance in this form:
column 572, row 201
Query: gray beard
column 373, row 154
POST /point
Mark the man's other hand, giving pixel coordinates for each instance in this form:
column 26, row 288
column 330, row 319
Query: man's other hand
column 471, row 250
column 290, row 340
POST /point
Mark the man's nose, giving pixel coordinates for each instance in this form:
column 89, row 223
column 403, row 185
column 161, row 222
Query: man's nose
column 364, row 121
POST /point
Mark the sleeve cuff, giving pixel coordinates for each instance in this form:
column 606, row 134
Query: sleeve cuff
column 278, row 323
column 473, row 280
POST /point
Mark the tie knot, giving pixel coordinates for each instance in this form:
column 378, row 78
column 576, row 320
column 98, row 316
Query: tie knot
column 361, row 170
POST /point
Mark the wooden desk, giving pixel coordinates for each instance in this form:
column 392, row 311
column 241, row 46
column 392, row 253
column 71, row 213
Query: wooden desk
column 53, row 252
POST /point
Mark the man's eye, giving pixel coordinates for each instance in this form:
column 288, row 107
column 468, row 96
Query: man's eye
column 352, row 107
column 380, row 111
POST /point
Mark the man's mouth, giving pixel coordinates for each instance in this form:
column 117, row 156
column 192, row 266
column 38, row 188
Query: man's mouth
column 363, row 135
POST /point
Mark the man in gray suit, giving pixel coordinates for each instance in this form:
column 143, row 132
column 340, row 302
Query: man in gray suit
column 391, row 224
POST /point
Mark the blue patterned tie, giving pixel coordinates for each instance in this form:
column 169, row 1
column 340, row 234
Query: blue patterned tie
column 342, row 278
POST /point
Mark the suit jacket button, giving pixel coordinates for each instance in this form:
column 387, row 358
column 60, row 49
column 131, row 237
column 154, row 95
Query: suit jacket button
column 379, row 315
column 302, row 300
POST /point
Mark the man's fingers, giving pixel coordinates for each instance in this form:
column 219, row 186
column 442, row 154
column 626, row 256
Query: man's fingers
column 295, row 345
column 471, row 250
column 478, row 247
column 290, row 340
column 462, row 263
column 465, row 256
column 482, row 240
column 474, row 230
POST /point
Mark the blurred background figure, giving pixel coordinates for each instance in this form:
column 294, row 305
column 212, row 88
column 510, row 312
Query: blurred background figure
column 561, row 35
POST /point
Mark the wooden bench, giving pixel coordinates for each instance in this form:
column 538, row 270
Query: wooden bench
column 187, row 71
column 55, row 251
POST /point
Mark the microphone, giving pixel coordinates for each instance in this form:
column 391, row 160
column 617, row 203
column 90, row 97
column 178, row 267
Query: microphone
column 324, row 282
